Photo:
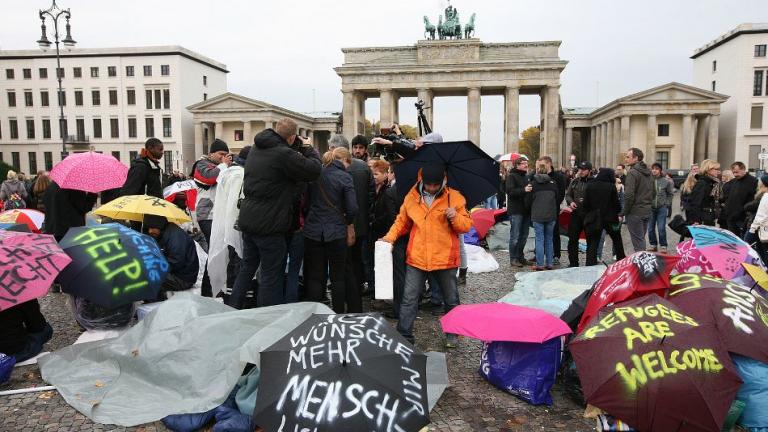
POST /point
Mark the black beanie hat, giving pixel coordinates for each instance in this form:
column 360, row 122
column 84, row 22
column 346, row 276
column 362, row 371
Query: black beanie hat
column 154, row 221
column 244, row 152
column 433, row 174
column 218, row 145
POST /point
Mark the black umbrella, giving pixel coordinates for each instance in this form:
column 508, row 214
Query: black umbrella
column 348, row 372
column 470, row 170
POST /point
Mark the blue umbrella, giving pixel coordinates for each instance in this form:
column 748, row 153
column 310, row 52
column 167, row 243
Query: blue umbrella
column 470, row 170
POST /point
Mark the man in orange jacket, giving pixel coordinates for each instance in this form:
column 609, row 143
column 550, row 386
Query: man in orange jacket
column 435, row 215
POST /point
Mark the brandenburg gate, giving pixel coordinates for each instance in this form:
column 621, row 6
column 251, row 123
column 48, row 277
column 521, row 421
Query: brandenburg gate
column 460, row 67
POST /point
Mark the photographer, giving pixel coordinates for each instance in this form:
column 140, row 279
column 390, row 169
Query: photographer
column 277, row 166
column 392, row 143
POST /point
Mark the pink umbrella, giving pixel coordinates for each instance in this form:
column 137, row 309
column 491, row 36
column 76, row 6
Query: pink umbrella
column 89, row 172
column 715, row 252
column 28, row 265
column 503, row 322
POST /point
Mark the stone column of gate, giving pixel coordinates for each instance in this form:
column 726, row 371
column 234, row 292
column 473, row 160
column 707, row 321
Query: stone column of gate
column 592, row 144
column 359, row 113
column 247, row 133
column 568, row 145
column 687, row 141
column 219, row 131
column 386, row 98
column 606, row 148
column 624, row 125
column 610, row 143
column 650, row 139
column 473, row 115
column 712, row 144
column 701, row 127
column 428, row 97
column 348, row 114
column 511, row 119
column 198, row 140
column 552, row 124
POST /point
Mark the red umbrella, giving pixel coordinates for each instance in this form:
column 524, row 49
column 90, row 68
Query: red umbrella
column 564, row 220
column 655, row 368
column 484, row 219
column 639, row 274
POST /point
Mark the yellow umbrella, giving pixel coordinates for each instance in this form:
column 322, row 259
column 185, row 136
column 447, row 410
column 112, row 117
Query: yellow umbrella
column 758, row 274
column 135, row 207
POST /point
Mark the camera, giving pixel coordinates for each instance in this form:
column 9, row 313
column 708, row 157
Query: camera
column 387, row 152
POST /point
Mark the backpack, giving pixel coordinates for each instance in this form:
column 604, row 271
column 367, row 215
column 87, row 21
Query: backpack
column 15, row 201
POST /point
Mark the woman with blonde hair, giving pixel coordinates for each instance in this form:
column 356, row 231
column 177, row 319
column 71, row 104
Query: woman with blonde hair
column 328, row 231
column 704, row 206
column 13, row 192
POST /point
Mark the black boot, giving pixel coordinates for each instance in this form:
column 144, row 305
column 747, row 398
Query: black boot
column 462, row 276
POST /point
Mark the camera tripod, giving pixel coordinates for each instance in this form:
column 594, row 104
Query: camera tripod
column 424, row 127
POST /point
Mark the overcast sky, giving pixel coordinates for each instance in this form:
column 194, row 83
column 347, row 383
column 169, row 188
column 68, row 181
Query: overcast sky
column 284, row 51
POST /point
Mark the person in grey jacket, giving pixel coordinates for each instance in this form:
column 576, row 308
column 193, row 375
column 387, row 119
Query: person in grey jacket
column 662, row 199
column 638, row 197
column 12, row 186
column 542, row 200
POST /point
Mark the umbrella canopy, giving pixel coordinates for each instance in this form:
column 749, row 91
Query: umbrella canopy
column 18, row 227
column 758, row 275
column 639, row 274
column 135, row 207
column 112, row 265
column 469, row 169
column 179, row 186
column 484, row 219
column 89, row 172
column 31, row 218
column 503, row 322
column 510, row 157
column 739, row 314
column 659, row 370
column 348, row 372
column 715, row 252
column 28, row 265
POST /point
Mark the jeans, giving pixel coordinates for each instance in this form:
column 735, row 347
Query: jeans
column 574, row 231
column 206, row 290
column 637, row 227
column 414, row 283
column 491, row 202
column 658, row 222
column 398, row 278
column 519, row 225
column 595, row 242
column 295, row 259
column 544, row 243
column 320, row 255
column 269, row 252
column 462, row 253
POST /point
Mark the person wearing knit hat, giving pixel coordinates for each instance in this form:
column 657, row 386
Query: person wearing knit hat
column 205, row 173
column 179, row 250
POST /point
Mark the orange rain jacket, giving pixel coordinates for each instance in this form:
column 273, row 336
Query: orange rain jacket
column 434, row 242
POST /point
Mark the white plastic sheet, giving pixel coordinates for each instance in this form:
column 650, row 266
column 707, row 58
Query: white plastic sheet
column 383, row 270
column 480, row 261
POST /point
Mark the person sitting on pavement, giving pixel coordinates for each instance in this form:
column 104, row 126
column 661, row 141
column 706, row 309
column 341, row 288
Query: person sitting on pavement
column 435, row 215
column 25, row 331
column 179, row 250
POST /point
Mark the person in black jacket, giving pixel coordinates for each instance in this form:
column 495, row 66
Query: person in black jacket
column 541, row 198
column 275, row 172
column 560, row 181
column 332, row 212
column 519, row 215
column 741, row 191
column 179, row 250
column 704, row 207
column 602, row 207
column 65, row 209
column 574, row 196
column 145, row 176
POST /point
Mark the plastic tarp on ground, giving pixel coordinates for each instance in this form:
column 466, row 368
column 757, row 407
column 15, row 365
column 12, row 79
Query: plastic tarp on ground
column 552, row 291
column 184, row 357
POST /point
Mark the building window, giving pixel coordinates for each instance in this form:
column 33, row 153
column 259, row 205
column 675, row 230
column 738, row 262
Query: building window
column 205, row 96
column 63, row 128
column 757, row 84
column 132, row 127
column 168, row 158
column 60, row 73
column 95, row 97
column 80, row 129
column 62, row 98
column 27, row 73
column 46, row 128
column 28, row 98
column 112, row 71
column 130, row 96
column 97, row 128
column 238, row 135
column 662, row 158
column 158, row 100
column 43, row 72
column 13, row 127
column 77, row 72
column 149, row 125
column 113, row 97
column 166, row 127
column 760, row 50
column 16, row 161
column 133, row 155
column 205, row 80
column 114, row 127
column 48, row 156
column 166, row 99
column 148, row 94
column 30, row 129
column 714, row 86
column 756, row 119
column 11, row 98
column 9, row 74
column 44, row 98
column 78, row 98
column 95, row 72
column 663, row 129
column 129, row 71
column 147, row 70
column 165, row 70
column 116, row 155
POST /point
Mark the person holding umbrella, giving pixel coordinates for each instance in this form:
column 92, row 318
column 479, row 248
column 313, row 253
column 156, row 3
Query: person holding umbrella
column 435, row 215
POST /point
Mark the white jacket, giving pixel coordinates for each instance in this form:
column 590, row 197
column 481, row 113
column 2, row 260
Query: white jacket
column 761, row 217
column 223, row 232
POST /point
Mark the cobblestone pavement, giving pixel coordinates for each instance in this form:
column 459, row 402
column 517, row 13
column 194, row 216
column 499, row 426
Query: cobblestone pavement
column 469, row 404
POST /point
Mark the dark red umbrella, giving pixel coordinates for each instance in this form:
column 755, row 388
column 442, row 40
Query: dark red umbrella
column 484, row 219
column 639, row 274
column 645, row 362
column 739, row 313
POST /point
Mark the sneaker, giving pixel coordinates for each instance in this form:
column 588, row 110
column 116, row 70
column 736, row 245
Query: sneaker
column 651, row 249
column 663, row 249
column 548, row 267
column 515, row 263
column 537, row 268
column 451, row 340
column 524, row 262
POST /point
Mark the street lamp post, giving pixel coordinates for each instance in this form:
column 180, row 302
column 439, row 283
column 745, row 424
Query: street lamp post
column 54, row 13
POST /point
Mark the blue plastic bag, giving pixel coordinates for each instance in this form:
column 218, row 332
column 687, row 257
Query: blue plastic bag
column 526, row 370
column 471, row 237
column 6, row 367
column 754, row 393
